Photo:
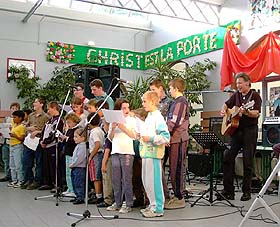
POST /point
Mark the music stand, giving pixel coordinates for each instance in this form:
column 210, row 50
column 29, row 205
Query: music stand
column 209, row 140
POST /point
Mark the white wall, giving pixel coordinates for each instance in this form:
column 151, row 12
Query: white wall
column 28, row 41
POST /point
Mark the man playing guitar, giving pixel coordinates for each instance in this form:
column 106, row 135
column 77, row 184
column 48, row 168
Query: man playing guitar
column 243, row 138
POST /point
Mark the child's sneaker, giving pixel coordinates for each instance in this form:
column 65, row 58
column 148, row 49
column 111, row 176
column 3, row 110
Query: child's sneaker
column 113, row 207
column 144, row 210
column 151, row 214
column 17, row 185
column 125, row 210
column 12, row 184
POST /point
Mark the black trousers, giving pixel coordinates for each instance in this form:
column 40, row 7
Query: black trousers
column 49, row 167
column 244, row 139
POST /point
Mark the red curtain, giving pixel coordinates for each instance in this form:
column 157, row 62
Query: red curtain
column 258, row 63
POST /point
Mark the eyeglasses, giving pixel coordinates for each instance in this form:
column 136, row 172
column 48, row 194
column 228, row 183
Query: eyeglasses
column 77, row 89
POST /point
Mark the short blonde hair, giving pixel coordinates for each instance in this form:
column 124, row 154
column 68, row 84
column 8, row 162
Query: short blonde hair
column 152, row 96
column 73, row 117
column 140, row 112
column 91, row 102
column 81, row 132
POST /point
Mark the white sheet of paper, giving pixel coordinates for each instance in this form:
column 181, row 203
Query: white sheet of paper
column 5, row 130
column 140, row 126
column 31, row 143
column 66, row 108
column 112, row 116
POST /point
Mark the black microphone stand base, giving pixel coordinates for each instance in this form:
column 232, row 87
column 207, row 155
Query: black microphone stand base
column 87, row 215
column 58, row 195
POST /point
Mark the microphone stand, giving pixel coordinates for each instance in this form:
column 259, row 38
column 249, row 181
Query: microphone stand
column 86, row 214
column 58, row 191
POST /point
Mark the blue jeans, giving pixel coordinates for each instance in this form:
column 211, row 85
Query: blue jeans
column 28, row 163
column 16, row 153
column 6, row 159
column 78, row 176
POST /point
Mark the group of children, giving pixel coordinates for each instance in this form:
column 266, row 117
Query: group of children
column 111, row 156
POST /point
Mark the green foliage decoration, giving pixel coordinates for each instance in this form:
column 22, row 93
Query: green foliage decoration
column 136, row 90
column 194, row 75
column 29, row 88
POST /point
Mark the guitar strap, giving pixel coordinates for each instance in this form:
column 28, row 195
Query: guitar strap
column 249, row 99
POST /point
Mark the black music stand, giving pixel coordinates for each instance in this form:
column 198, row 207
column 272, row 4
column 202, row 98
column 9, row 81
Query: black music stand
column 209, row 140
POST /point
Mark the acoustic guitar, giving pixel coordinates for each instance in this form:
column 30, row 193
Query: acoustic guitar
column 231, row 118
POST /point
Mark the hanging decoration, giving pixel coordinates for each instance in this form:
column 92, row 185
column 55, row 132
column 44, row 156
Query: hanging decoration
column 60, row 52
column 258, row 63
column 208, row 41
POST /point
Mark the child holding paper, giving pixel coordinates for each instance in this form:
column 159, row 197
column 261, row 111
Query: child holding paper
column 122, row 135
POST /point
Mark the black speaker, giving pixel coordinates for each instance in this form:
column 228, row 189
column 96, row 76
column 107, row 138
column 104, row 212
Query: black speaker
column 199, row 164
column 85, row 75
column 270, row 134
column 107, row 73
column 215, row 125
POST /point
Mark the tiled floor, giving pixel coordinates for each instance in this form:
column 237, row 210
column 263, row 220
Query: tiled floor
column 19, row 209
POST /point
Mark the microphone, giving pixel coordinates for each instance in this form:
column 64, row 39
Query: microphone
column 71, row 86
column 229, row 90
column 123, row 81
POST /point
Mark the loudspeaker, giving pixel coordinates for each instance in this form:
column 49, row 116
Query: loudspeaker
column 85, row 76
column 215, row 125
column 107, row 73
column 270, row 134
column 104, row 73
column 199, row 164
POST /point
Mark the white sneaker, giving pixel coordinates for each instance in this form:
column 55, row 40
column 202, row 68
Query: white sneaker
column 125, row 210
column 17, row 185
column 151, row 214
column 12, row 184
column 144, row 210
column 69, row 194
column 113, row 207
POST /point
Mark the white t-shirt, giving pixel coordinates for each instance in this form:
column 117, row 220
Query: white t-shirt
column 122, row 143
column 96, row 134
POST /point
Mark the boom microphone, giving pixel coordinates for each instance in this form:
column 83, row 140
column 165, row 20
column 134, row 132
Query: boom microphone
column 123, row 81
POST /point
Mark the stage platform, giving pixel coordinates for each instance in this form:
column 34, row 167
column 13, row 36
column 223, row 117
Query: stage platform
column 19, row 209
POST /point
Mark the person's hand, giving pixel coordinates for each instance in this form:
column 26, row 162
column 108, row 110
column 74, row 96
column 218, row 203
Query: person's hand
column 146, row 138
column 223, row 112
column 33, row 134
column 103, row 167
column 138, row 136
column 114, row 125
column 43, row 145
column 63, row 137
column 167, row 144
column 12, row 134
column 242, row 111
column 121, row 126
column 31, row 128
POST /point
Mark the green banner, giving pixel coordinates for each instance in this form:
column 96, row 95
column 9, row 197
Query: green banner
column 206, row 42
